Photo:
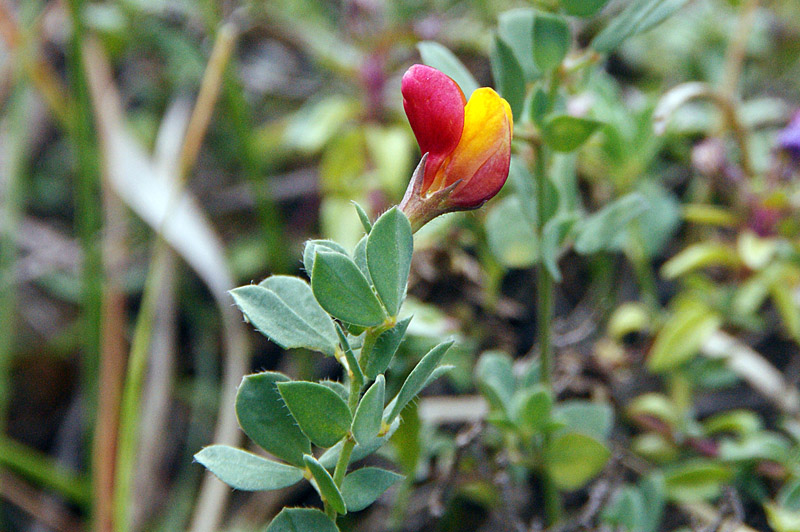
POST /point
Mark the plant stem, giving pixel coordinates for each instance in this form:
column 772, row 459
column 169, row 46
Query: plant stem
column 544, row 323
column 11, row 173
column 544, row 281
column 343, row 461
column 638, row 257
column 87, row 214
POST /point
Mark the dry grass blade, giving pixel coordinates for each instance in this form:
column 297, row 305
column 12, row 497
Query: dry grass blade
column 156, row 195
column 754, row 369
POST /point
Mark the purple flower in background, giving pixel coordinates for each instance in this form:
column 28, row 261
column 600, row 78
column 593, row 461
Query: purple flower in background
column 789, row 138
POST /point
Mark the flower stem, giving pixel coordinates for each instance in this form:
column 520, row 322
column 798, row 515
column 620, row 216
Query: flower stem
column 544, row 323
column 544, row 281
column 343, row 461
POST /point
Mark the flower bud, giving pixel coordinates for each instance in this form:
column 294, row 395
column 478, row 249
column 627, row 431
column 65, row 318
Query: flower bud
column 466, row 145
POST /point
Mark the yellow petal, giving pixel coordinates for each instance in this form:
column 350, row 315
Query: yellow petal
column 487, row 128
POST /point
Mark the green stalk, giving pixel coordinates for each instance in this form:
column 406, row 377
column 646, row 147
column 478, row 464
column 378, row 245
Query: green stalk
column 343, row 461
column 544, row 281
column 544, row 324
column 134, row 377
column 88, row 217
column 641, row 265
column 11, row 214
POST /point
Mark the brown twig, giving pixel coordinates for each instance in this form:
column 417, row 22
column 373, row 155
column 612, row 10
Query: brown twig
column 112, row 364
column 735, row 56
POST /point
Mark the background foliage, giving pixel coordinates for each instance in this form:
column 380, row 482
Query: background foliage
column 155, row 154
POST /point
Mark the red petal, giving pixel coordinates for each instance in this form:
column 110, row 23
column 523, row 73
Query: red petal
column 434, row 105
column 485, row 183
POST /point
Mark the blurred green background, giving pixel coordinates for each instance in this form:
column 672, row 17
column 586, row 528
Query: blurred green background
column 156, row 153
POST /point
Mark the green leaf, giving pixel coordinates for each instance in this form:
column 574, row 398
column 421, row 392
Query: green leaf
column 593, row 419
column 696, row 480
column 337, row 387
column 782, row 519
column 700, row 255
column 246, row 471
column 538, row 106
column 301, row 520
column 343, row 291
column 416, row 380
column 389, row 248
column 496, row 379
column 407, row 441
column 511, row 238
column 555, row 231
column 329, row 457
column 789, row 495
column 363, row 217
column 363, row 486
column 638, row 17
column 572, row 459
column 311, row 248
column 515, row 28
column 352, row 362
column 367, row 419
column 384, row 349
column 600, row 229
column 322, row 415
column 582, row 8
column 437, row 56
column 326, row 487
column 566, row 133
column 533, row 408
column 627, row 510
column 286, row 312
column 360, row 257
column 508, row 76
column 760, row 446
column 262, row 416
column 551, row 40
column 740, row 422
column 680, row 338
column 654, row 492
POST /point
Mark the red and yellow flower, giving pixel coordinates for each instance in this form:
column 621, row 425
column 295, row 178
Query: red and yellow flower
column 467, row 144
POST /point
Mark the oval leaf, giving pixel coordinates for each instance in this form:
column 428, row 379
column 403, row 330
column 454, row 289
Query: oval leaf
column 551, row 40
column 437, row 56
column 416, row 380
column 389, row 248
column 322, row 415
column 301, row 520
column 367, row 420
column 639, row 16
column 567, row 133
column 508, row 76
column 515, row 28
column 696, row 480
column 326, row 487
column 287, row 317
column 343, row 291
column 681, row 337
column 600, row 229
column 247, row 471
column 311, row 248
column 363, row 486
column 572, row 459
column 262, row 416
column 384, row 349
column 593, row 419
